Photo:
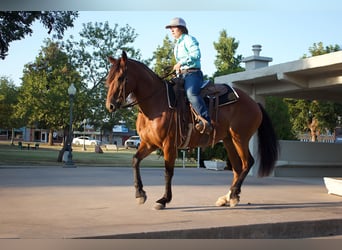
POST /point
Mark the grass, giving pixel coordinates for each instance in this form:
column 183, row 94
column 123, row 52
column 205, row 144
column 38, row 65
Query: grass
column 12, row 155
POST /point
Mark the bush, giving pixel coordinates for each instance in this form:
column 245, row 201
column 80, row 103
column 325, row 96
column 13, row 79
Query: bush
column 216, row 152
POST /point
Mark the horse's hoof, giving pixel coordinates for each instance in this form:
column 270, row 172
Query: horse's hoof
column 222, row 201
column 233, row 202
column 141, row 200
column 158, row 206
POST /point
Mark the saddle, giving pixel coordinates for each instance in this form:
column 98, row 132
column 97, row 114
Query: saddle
column 214, row 96
column 223, row 94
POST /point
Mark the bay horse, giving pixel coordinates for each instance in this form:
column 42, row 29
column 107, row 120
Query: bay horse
column 156, row 126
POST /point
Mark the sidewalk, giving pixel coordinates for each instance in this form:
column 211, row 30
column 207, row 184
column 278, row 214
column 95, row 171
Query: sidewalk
column 99, row 202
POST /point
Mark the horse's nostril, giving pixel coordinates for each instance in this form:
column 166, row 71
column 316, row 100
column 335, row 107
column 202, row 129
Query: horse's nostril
column 111, row 106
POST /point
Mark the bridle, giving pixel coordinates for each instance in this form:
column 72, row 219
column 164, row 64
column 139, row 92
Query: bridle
column 123, row 91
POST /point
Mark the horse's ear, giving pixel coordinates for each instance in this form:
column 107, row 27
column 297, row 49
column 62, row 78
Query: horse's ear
column 111, row 60
column 124, row 55
column 123, row 58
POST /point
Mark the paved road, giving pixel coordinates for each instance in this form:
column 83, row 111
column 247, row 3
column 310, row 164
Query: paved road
column 56, row 202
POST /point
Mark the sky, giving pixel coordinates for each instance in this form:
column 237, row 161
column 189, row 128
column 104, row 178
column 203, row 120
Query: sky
column 284, row 33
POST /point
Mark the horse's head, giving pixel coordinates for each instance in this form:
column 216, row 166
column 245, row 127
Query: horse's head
column 116, row 82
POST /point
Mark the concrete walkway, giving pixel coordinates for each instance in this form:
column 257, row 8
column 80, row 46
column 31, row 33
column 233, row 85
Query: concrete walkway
column 99, row 202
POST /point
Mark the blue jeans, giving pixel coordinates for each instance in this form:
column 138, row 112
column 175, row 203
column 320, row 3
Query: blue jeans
column 192, row 84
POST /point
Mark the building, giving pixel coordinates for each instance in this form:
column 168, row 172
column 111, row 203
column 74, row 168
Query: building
column 318, row 77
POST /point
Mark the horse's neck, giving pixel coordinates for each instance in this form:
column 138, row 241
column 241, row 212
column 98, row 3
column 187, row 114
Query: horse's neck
column 150, row 93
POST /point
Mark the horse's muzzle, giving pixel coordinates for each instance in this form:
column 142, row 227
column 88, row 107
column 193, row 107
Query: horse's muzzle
column 111, row 107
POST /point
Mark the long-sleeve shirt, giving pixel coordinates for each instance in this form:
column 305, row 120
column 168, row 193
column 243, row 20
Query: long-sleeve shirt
column 187, row 52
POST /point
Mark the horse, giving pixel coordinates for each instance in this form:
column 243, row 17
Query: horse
column 235, row 125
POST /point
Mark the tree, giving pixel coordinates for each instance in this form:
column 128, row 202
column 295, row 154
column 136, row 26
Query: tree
column 318, row 49
column 278, row 111
column 15, row 25
column 90, row 56
column 163, row 58
column 314, row 115
column 226, row 62
column 43, row 98
column 8, row 100
column 8, row 93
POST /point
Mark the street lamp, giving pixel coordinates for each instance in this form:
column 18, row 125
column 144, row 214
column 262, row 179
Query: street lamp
column 71, row 92
column 84, row 125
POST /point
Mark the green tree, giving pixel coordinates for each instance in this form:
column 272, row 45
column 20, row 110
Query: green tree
column 8, row 100
column 163, row 58
column 43, row 97
column 15, row 25
column 278, row 111
column 314, row 116
column 319, row 49
column 226, row 62
column 90, row 55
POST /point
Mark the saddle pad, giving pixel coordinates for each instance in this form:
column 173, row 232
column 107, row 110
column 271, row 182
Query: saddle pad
column 226, row 95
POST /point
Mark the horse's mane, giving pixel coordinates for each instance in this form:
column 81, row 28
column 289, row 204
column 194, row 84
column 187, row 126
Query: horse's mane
column 146, row 68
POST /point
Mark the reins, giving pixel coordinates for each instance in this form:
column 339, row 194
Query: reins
column 135, row 102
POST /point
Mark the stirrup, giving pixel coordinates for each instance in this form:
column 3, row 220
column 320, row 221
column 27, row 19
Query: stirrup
column 204, row 128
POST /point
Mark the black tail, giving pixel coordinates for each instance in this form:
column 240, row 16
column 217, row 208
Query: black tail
column 268, row 145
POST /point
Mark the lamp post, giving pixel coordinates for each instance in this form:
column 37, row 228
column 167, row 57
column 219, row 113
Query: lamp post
column 71, row 92
column 84, row 125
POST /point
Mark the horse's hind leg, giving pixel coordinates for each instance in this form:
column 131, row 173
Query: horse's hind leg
column 242, row 161
column 239, row 177
column 142, row 152
column 235, row 164
column 242, row 148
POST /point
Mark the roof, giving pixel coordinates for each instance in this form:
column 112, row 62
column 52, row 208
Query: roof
column 318, row 77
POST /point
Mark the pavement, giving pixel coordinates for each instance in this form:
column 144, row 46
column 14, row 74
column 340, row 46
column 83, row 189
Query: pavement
column 98, row 202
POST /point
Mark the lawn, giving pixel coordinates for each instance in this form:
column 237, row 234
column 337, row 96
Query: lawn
column 47, row 156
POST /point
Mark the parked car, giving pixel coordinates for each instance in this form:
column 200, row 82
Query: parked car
column 132, row 142
column 86, row 140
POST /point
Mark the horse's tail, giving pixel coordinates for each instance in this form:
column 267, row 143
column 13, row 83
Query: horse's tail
column 268, row 145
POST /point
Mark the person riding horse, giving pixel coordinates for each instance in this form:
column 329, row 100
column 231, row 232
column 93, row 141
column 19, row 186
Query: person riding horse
column 188, row 57
column 157, row 126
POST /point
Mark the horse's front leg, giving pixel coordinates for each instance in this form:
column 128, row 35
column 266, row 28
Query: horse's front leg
column 169, row 157
column 142, row 152
column 140, row 194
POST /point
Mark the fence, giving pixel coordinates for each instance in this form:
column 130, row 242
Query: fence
column 320, row 138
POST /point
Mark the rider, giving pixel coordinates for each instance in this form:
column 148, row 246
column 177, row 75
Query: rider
column 188, row 55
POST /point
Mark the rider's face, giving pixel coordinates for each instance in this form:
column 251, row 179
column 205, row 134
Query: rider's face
column 176, row 32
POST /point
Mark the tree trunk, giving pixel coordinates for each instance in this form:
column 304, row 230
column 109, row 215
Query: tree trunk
column 61, row 152
column 12, row 137
column 313, row 129
column 50, row 140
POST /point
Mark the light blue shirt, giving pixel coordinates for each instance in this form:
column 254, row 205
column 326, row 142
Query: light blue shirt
column 187, row 52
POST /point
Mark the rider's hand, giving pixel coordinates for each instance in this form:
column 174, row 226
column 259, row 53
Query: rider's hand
column 177, row 67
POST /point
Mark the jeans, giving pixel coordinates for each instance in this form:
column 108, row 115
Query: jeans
column 192, row 84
